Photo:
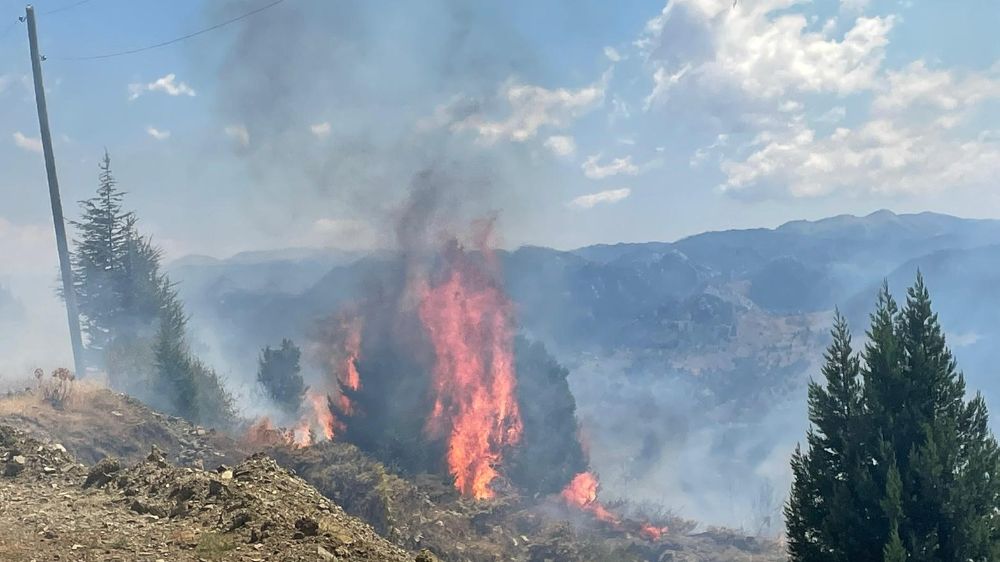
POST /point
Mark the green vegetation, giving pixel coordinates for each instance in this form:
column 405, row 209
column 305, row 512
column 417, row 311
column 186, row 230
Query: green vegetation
column 132, row 317
column 898, row 464
column 279, row 374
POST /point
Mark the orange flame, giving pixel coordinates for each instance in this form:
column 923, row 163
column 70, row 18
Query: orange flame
column 352, row 347
column 263, row 433
column 302, row 435
column 581, row 492
column 467, row 317
column 321, row 411
column 652, row 532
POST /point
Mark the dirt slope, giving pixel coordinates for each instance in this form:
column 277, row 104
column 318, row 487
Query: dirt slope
column 184, row 514
column 52, row 508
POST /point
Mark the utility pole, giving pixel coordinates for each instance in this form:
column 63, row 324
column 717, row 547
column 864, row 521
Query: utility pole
column 69, row 294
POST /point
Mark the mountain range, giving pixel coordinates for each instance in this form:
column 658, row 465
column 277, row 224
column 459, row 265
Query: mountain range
column 686, row 353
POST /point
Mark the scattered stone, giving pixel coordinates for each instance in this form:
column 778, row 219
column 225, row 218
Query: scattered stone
column 102, row 472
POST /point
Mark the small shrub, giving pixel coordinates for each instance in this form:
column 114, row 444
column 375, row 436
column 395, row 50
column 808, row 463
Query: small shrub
column 58, row 390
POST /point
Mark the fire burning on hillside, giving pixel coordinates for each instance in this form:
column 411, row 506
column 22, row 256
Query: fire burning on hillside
column 582, row 494
column 475, row 405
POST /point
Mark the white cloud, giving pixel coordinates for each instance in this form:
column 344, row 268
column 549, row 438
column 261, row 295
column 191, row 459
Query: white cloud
column 882, row 156
column 239, row 133
column 910, row 144
column 590, row 200
column 663, row 81
column 916, row 85
column 593, row 169
column 157, row 133
column 854, row 6
column 531, row 109
column 561, row 145
column 701, row 155
column 320, row 130
column 167, row 84
column 612, row 54
column 25, row 142
column 761, row 48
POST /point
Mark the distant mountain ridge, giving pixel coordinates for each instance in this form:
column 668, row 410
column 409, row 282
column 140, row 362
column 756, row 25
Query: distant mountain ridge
column 703, row 344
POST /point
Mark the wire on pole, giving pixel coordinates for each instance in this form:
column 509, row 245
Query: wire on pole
column 174, row 40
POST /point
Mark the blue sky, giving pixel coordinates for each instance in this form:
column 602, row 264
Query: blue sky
column 575, row 122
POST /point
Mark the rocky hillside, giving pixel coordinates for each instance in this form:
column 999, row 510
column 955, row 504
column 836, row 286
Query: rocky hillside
column 324, row 502
column 52, row 508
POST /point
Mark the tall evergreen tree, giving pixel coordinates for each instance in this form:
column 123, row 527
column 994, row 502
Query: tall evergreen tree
column 134, row 321
column 898, row 466
column 97, row 259
column 279, row 373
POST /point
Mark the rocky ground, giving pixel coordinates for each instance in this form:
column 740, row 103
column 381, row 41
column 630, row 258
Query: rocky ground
column 52, row 508
column 169, row 490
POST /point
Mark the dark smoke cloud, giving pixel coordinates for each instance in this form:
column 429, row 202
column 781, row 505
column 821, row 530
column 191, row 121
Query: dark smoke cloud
column 379, row 75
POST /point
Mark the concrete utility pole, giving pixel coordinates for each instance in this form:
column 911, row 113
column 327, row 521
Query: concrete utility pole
column 69, row 295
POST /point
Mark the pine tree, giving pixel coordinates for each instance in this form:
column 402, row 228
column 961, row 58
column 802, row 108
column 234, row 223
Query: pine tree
column 191, row 389
column 827, row 518
column 173, row 365
column 97, row 259
column 134, row 321
column 279, row 373
column 898, row 466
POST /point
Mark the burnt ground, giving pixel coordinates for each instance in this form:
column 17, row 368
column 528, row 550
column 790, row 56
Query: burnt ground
column 168, row 508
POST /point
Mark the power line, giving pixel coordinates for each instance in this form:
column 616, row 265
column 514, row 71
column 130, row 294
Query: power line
column 66, row 7
column 172, row 41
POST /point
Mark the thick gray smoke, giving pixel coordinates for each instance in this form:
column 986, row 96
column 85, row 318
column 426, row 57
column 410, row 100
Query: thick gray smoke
column 337, row 106
column 346, row 115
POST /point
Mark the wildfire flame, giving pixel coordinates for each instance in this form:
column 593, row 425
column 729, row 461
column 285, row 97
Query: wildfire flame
column 581, row 492
column 321, row 411
column 263, row 433
column 352, row 347
column 652, row 532
column 467, row 317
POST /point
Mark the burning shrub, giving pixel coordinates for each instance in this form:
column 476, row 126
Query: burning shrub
column 427, row 376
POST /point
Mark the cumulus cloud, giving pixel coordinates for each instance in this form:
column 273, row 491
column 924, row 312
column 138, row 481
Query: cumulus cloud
column 167, row 84
column 936, row 89
column 561, row 145
column 593, row 169
column 320, row 130
column 157, row 133
column 612, row 54
column 881, row 156
column 531, row 108
column 25, row 142
column 593, row 199
column 761, row 48
column 760, row 67
column 238, row 133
